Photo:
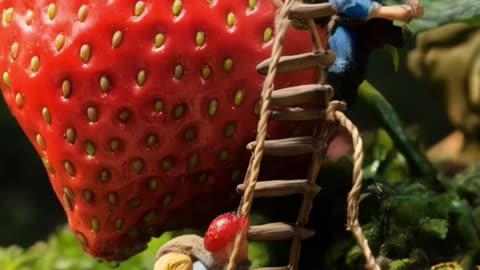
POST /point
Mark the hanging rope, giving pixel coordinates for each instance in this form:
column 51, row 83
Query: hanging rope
column 281, row 26
column 353, row 196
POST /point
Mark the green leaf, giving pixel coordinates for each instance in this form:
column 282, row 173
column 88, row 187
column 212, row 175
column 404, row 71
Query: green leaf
column 440, row 12
column 393, row 51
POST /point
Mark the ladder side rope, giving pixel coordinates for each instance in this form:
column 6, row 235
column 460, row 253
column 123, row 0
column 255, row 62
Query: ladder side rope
column 353, row 196
column 281, row 26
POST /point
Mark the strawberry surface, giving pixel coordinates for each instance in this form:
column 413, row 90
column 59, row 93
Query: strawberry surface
column 140, row 110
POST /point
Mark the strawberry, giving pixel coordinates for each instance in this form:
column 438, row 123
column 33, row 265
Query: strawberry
column 140, row 110
column 222, row 231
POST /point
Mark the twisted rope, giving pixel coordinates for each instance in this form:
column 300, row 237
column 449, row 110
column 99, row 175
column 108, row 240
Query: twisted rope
column 281, row 26
column 353, row 196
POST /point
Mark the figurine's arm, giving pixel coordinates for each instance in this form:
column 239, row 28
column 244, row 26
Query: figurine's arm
column 404, row 13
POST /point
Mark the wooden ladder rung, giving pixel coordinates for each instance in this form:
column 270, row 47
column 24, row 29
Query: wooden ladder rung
column 302, row 94
column 286, row 147
column 292, row 63
column 311, row 11
column 278, row 231
column 280, row 188
column 297, row 114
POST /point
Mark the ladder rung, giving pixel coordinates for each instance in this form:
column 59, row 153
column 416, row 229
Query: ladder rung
column 278, row 231
column 312, row 11
column 297, row 114
column 301, row 94
column 286, row 147
column 298, row 62
column 280, row 188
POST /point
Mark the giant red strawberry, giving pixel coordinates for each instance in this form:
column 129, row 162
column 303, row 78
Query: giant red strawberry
column 140, row 110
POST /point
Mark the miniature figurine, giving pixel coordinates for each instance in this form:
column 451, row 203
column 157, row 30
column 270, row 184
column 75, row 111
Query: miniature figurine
column 363, row 26
column 192, row 252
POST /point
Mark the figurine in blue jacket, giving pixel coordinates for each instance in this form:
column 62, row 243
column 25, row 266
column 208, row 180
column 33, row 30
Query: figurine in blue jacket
column 363, row 26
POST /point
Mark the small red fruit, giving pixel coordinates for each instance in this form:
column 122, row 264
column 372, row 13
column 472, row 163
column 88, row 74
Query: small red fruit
column 223, row 230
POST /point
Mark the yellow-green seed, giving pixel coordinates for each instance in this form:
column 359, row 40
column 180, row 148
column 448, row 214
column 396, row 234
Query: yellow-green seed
column 82, row 239
column 112, row 198
column 135, row 203
column 66, row 88
column 119, row 223
column 46, row 115
column 239, row 97
column 19, row 100
column 138, row 166
column 115, row 145
column 139, row 8
column 92, row 114
column 193, row 161
column 67, row 199
column 35, row 64
column 228, row 65
column 158, row 106
column 150, row 217
column 70, row 194
column 141, row 77
column 178, row 72
column 88, row 195
column 152, row 140
column 90, row 148
column 223, row 155
column 190, row 134
column 212, row 107
column 159, row 40
column 200, row 38
column 8, row 15
column 104, row 84
column 69, row 168
column 231, row 19
column 82, row 13
column 41, row 142
column 85, row 53
column 95, row 223
column 117, row 39
column 179, row 111
column 177, row 7
column 29, row 17
column 6, row 79
column 71, row 135
column 14, row 51
column 153, row 184
column 59, row 42
column 267, row 34
column 105, row 175
column 47, row 165
column 167, row 164
column 206, row 72
column 124, row 115
column 52, row 11
column 252, row 4
column 230, row 130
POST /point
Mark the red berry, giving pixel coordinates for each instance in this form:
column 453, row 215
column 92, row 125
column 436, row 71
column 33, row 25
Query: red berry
column 140, row 110
column 222, row 231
